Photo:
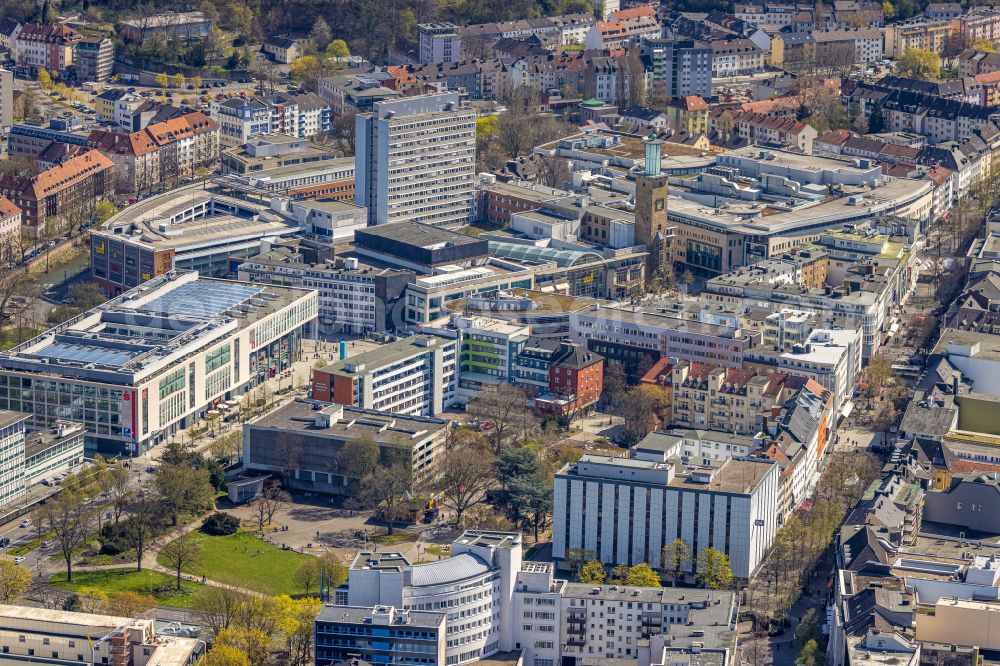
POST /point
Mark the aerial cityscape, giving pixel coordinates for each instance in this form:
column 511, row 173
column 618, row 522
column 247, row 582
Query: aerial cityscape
column 536, row 333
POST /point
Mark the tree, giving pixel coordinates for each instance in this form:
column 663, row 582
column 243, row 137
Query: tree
column 638, row 412
column 307, row 575
column 320, row 33
column 267, row 504
column 576, row 558
column 342, row 133
column 103, row 210
column 14, row 581
column 91, row 600
column 811, row 655
column 465, row 474
column 180, row 553
column 146, row 515
column 713, row 569
column 523, row 494
column 592, row 573
column 499, row 410
column 183, row 488
column 380, row 474
column 297, row 620
column 218, row 605
column 809, row 628
column 919, row 64
column 129, row 604
column 178, row 80
column 358, row 458
column 642, row 575
column 338, row 49
column 44, row 79
column 332, row 570
column 618, row 574
column 195, row 81
column 254, row 643
column 615, row 385
column 676, row 557
column 983, row 45
column 26, row 106
column 69, row 519
column 162, row 80
column 224, row 655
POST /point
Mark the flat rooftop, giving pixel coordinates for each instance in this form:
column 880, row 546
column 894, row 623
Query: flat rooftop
column 364, row 615
column 61, row 431
column 295, row 170
column 387, row 354
column 527, row 190
column 734, row 475
column 385, row 427
column 8, row 417
column 641, row 317
column 416, row 234
column 988, row 345
column 162, row 317
column 828, row 213
column 543, row 303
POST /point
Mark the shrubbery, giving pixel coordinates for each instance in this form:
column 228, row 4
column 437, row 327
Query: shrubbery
column 220, row 524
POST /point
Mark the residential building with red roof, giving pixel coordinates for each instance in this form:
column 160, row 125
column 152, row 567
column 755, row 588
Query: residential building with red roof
column 46, row 46
column 727, row 125
column 689, row 114
column 720, row 398
column 79, row 182
column 162, row 152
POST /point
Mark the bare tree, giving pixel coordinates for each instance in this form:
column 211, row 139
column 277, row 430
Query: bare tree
column 70, row 519
column 499, row 410
column 146, row 512
column 267, row 504
column 218, row 606
column 465, row 474
column 181, row 553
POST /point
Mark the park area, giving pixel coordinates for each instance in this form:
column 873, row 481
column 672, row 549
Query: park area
column 242, row 560
column 159, row 586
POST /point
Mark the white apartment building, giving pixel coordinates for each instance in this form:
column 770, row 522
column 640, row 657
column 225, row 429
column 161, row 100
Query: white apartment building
column 439, row 42
column 416, row 160
column 475, row 587
column 416, row 376
column 625, row 510
column 154, row 360
column 239, row 119
column 831, row 358
column 493, row 601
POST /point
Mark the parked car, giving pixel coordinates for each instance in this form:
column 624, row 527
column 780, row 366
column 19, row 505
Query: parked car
column 19, row 560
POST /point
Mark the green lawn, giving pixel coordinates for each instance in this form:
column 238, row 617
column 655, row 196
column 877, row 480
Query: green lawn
column 159, row 585
column 245, row 560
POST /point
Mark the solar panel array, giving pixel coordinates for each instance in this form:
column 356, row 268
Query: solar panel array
column 88, row 354
column 200, row 299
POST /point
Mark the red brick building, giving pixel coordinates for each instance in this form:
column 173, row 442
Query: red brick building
column 80, row 181
column 566, row 376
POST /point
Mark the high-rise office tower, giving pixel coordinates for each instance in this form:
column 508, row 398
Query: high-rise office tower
column 416, row 160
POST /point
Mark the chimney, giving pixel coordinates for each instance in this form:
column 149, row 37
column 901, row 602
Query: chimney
column 954, row 386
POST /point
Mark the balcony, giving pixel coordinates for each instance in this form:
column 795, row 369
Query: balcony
column 576, row 640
